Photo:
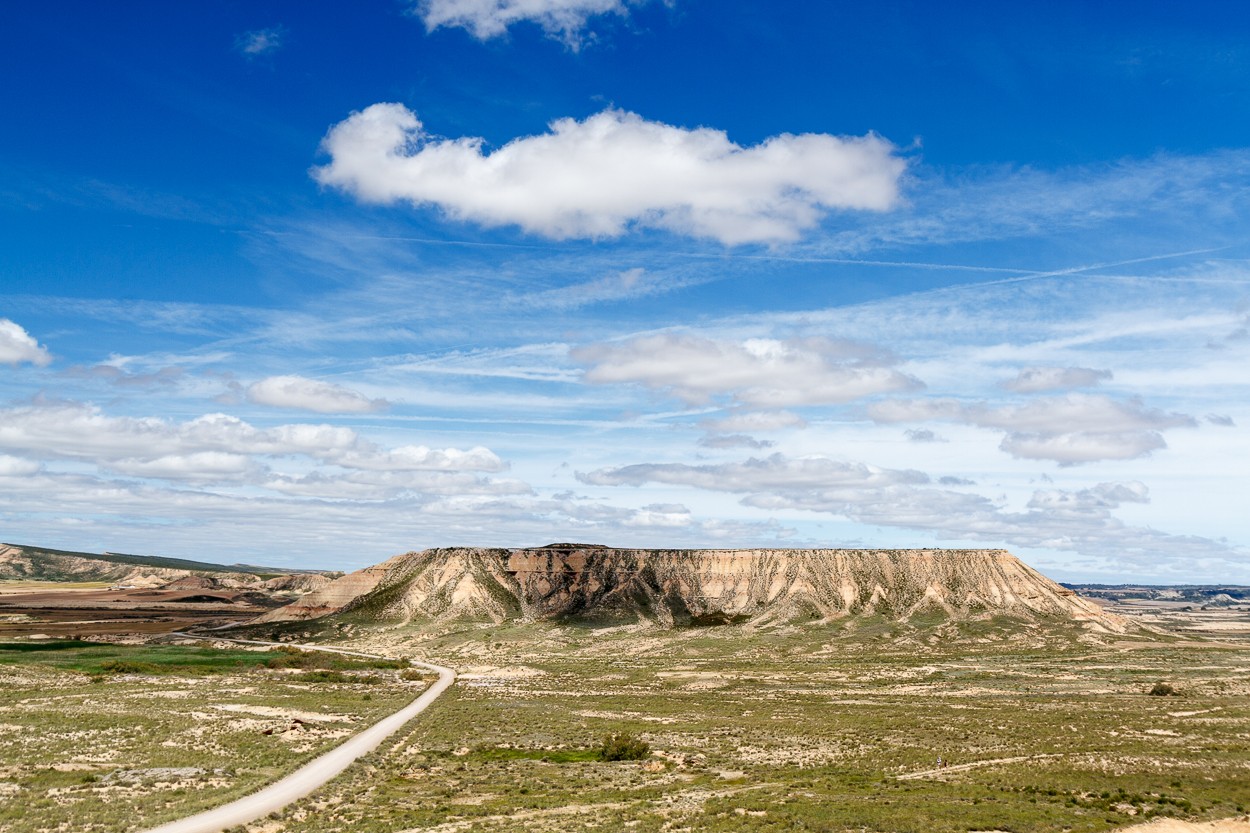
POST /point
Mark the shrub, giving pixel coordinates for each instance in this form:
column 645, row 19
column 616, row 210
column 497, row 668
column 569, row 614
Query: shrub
column 323, row 676
column 123, row 666
column 623, row 746
column 1162, row 689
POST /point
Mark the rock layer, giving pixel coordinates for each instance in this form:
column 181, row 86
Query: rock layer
column 679, row 587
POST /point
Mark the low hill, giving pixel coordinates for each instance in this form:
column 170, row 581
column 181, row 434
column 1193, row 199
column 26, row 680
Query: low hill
column 671, row 588
column 26, row 563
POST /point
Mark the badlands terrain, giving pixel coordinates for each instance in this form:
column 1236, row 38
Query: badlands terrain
column 60, row 593
column 776, row 690
column 667, row 588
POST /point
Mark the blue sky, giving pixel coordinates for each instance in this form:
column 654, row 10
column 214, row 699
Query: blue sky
column 313, row 284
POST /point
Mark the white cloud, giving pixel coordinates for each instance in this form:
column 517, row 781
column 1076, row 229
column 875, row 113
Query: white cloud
column 1071, row 429
column 597, row 177
column 199, row 467
column 260, row 41
column 734, row 441
column 17, row 346
column 774, row 472
column 564, row 20
column 1042, row 379
column 73, row 431
column 374, row 485
column 756, row 372
column 1079, row 520
column 749, row 421
column 420, row 457
column 311, row 395
column 17, row 467
column 663, row 515
column 1083, row 446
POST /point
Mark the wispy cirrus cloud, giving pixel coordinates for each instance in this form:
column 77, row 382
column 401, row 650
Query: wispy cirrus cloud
column 617, row 286
column 598, row 177
column 1204, row 194
column 257, row 42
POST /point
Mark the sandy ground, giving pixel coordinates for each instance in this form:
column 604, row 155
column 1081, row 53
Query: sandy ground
column 1237, row 825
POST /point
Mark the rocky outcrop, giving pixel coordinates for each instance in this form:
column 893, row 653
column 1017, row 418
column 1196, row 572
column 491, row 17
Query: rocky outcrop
column 298, row 583
column 340, row 593
column 677, row 587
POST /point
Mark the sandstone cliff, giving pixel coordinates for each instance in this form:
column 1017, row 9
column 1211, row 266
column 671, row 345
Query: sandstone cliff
column 677, row 587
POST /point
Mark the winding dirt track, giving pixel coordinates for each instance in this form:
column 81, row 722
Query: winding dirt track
column 316, row 772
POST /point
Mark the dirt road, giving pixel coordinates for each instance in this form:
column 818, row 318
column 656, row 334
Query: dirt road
column 316, row 772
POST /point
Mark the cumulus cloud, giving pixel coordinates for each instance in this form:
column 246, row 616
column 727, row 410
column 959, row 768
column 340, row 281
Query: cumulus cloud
column 1222, row 420
column 1083, row 446
column 260, row 41
column 597, row 177
column 922, row 435
column 756, row 372
column 196, row 467
column 1043, row 379
column 17, row 346
column 1071, row 429
column 311, row 395
column 210, row 443
column 564, row 20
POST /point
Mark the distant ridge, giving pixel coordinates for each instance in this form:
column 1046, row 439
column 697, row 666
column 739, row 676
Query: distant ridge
column 672, row 588
column 24, row 562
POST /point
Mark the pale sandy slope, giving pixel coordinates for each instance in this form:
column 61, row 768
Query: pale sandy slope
column 316, row 772
column 1239, row 825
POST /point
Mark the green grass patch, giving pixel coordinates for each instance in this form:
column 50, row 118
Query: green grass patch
column 97, row 658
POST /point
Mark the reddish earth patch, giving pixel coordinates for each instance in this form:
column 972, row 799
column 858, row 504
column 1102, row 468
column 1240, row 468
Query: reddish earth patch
column 98, row 612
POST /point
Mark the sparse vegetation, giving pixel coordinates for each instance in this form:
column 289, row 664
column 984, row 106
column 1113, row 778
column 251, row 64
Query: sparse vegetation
column 829, row 727
column 102, row 738
column 1162, row 689
column 803, row 729
column 97, row 658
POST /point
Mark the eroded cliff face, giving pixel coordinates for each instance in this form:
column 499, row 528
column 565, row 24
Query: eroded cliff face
column 680, row 587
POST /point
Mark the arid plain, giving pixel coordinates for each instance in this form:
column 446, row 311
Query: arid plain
column 796, row 720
